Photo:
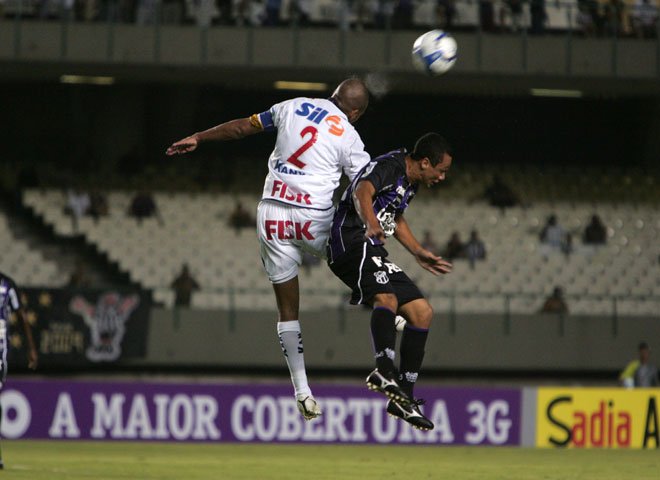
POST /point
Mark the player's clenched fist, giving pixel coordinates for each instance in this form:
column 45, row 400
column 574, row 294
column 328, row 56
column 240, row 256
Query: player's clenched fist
column 375, row 232
column 186, row 145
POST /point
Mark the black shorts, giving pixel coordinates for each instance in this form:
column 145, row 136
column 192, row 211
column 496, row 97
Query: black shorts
column 367, row 271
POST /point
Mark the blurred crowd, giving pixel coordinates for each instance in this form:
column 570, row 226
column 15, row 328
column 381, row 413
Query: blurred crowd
column 636, row 18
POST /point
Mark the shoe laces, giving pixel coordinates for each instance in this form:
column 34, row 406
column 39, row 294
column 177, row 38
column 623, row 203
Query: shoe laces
column 418, row 401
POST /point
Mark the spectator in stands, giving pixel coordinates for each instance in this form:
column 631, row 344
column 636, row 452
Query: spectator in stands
column 98, row 205
column 537, row 12
column 146, row 12
column 585, row 19
column 108, row 10
column 446, row 11
column 300, row 12
column 77, row 205
column 555, row 303
column 384, row 13
column 514, row 10
column 429, row 244
column 143, row 206
column 243, row 10
column 645, row 18
column 86, row 10
column 224, row 10
column 183, row 285
column 361, row 14
column 613, row 15
column 499, row 194
column 552, row 233
column 241, row 218
column 640, row 373
column 475, row 248
column 595, row 233
column 343, row 15
column 593, row 7
column 273, row 12
column 204, row 12
column 454, row 248
column 487, row 15
column 403, row 14
column 79, row 277
column 44, row 7
column 172, row 12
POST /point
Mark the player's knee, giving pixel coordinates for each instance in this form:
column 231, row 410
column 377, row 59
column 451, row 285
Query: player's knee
column 427, row 314
column 422, row 315
column 386, row 300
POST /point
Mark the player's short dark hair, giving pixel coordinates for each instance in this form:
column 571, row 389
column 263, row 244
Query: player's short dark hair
column 432, row 146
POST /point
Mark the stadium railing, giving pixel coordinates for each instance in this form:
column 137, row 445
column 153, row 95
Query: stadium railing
column 451, row 303
column 572, row 18
column 590, row 17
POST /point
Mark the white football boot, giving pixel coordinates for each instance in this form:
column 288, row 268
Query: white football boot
column 308, row 407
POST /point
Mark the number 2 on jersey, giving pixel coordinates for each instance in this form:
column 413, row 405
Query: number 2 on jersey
column 295, row 158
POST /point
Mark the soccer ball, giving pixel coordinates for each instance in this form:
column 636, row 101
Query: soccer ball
column 434, row 52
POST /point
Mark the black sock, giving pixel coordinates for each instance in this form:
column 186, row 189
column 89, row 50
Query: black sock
column 383, row 335
column 412, row 355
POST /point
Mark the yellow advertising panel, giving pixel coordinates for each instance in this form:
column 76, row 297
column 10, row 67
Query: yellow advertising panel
column 598, row 418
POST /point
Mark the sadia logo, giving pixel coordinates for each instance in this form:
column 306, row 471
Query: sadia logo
column 602, row 427
column 598, row 419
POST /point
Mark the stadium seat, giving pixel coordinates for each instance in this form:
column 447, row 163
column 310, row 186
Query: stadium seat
column 194, row 231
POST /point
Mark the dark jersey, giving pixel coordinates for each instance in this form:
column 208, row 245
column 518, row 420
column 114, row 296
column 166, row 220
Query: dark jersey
column 393, row 194
column 9, row 300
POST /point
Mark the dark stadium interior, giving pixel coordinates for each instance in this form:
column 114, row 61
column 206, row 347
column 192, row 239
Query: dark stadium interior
column 142, row 277
column 65, row 130
column 113, row 138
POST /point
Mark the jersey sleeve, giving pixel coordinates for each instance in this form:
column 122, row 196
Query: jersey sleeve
column 381, row 174
column 270, row 120
column 355, row 158
column 14, row 298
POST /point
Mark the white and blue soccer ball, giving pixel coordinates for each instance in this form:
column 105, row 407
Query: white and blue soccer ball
column 435, row 52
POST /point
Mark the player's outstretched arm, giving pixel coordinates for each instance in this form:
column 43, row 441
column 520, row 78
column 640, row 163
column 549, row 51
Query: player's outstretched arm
column 427, row 260
column 33, row 356
column 232, row 130
column 363, row 198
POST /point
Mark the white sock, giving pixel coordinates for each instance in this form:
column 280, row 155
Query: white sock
column 292, row 346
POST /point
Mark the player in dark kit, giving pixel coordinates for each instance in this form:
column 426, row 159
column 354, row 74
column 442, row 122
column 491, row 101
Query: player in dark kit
column 371, row 210
column 10, row 301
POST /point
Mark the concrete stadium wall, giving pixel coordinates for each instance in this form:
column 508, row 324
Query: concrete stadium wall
column 320, row 48
column 340, row 339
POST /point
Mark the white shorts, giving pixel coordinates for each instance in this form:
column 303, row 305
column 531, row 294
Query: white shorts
column 285, row 232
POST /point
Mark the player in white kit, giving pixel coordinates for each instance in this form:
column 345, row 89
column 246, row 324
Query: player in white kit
column 316, row 141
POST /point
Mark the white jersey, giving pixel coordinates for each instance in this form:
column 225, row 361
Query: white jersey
column 315, row 142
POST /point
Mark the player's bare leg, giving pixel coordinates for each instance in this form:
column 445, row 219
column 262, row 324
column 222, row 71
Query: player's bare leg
column 418, row 315
column 287, row 295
